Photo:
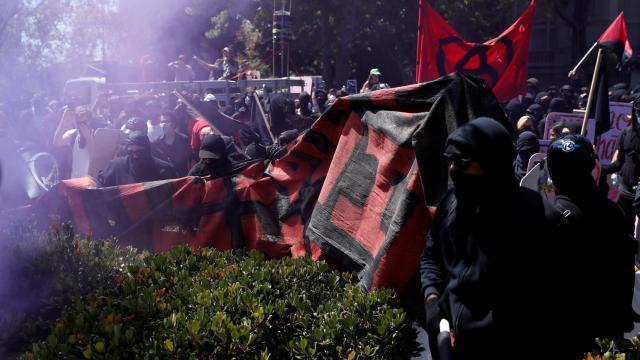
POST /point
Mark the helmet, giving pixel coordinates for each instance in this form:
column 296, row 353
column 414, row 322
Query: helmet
column 571, row 155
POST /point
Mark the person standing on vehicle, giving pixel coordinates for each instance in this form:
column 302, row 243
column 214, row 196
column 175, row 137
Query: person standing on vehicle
column 226, row 65
column 181, row 70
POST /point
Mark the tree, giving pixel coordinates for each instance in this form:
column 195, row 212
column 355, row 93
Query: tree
column 574, row 13
column 343, row 40
column 476, row 20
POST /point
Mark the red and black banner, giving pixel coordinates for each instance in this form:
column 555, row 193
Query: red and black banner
column 615, row 38
column 501, row 61
column 354, row 190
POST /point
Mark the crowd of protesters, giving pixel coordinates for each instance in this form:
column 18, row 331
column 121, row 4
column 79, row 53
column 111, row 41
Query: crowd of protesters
column 158, row 136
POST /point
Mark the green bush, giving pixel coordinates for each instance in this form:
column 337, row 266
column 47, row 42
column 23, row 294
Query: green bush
column 617, row 349
column 226, row 305
column 41, row 273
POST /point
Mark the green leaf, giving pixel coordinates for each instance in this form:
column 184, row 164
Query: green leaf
column 52, row 340
column 87, row 353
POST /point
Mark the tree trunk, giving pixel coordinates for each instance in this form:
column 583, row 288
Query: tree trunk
column 347, row 32
column 326, row 39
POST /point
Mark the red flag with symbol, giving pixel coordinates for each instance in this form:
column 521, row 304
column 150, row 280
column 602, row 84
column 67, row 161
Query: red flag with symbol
column 501, row 61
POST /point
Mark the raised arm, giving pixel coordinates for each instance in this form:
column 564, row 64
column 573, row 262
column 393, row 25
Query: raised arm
column 66, row 124
column 204, row 64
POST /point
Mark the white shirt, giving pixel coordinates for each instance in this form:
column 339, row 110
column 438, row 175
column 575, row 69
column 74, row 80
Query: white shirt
column 80, row 157
column 154, row 132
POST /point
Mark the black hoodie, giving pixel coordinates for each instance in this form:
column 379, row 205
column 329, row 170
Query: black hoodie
column 595, row 233
column 484, row 263
column 628, row 161
column 126, row 170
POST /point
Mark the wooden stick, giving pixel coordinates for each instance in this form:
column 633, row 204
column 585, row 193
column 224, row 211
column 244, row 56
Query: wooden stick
column 592, row 90
column 200, row 115
column 572, row 73
column 256, row 99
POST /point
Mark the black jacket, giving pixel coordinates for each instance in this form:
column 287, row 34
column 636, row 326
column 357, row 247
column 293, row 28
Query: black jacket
column 628, row 162
column 487, row 268
column 119, row 171
column 599, row 276
column 220, row 169
column 178, row 153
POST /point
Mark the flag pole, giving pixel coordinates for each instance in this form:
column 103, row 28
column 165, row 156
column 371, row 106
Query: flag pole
column 572, row 73
column 592, row 91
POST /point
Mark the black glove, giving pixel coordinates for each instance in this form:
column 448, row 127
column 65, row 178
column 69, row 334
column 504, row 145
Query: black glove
column 433, row 315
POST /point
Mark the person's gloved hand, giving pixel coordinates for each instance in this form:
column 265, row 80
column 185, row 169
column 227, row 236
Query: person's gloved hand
column 433, row 314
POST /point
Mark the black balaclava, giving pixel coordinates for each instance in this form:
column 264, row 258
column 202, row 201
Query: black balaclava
column 570, row 160
column 489, row 143
column 279, row 111
column 526, row 146
column 305, row 103
column 543, row 98
column 139, row 162
column 558, row 104
column 514, row 110
column 537, row 111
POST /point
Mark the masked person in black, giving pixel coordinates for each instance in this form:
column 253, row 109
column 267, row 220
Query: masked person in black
column 214, row 159
column 486, row 232
column 594, row 300
column 137, row 166
column 626, row 162
column 173, row 147
column 526, row 146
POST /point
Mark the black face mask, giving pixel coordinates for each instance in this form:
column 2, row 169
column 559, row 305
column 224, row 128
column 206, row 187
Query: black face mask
column 140, row 158
column 469, row 188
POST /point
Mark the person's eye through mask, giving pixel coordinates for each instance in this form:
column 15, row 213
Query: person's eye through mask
column 459, row 163
column 136, row 153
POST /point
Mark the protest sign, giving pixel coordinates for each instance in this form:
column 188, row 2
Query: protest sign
column 570, row 120
column 308, row 85
column 608, row 142
column 352, row 86
column 105, row 145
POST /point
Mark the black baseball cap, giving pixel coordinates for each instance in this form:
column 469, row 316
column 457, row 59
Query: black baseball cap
column 213, row 147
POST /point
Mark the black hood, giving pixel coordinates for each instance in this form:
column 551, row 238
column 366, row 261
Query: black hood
column 514, row 110
column 489, row 143
column 558, row 104
column 526, row 146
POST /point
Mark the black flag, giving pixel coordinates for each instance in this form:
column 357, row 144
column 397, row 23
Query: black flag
column 600, row 109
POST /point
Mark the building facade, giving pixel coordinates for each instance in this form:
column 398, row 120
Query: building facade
column 550, row 52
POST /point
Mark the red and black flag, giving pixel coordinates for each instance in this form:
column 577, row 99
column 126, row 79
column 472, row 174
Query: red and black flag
column 501, row 61
column 615, row 38
column 355, row 189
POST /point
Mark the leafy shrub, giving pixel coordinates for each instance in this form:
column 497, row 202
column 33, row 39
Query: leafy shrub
column 41, row 273
column 230, row 305
column 617, row 349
